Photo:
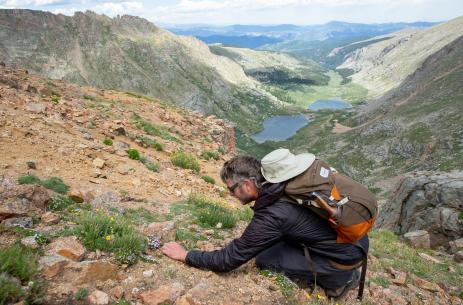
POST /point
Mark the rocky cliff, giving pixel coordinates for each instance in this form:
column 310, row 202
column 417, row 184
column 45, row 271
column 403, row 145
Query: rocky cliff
column 130, row 53
column 382, row 66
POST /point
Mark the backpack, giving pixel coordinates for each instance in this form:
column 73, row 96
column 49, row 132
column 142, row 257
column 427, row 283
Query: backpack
column 350, row 208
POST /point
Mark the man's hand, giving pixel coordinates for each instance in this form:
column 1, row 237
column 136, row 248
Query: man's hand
column 174, row 251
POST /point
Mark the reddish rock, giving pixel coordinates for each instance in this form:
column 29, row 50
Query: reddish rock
column 91, row 271
column 76, row 195
column 98, row 297
column 51, row 266
column 50, row 218
column 68, row 246
column 426, row 285
column 163, row 294
column 399, row 277
column 117, row 292
column 200, row 291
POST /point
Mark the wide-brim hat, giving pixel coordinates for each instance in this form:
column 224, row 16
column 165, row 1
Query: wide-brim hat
column 281, row 165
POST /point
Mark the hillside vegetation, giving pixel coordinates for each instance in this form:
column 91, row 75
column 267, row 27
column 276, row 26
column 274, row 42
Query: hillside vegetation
column 384, row 65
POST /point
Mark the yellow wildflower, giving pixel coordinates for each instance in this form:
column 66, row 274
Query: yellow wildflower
column 112, row 218
column 108, row 237
column 319, row 296
column 307, row 295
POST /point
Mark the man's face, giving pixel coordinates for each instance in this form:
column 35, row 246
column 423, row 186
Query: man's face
column 244, row 190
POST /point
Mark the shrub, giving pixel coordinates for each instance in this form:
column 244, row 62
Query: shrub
column 185, row 160
column 210, row 154
column 110, row 234
column 153, row 129
column 60, row 203
column 208, row 179
column 133, row 154
column 108, row 141
column 152, row 143
column 81, row 294
column 210, row 213
column 28, row 179
column 55, row 99
column 55, row 184
column 18, row 261
column 10, row 290
column 154, row 167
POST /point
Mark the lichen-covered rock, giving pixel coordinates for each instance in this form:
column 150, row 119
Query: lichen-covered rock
column 430, row 201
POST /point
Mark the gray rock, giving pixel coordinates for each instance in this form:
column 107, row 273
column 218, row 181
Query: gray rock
column 106, row 199
column 430, row 201
column 30, row 242
column 418, row 239
column 458, row 257
column 23, row 222
column 36, row 107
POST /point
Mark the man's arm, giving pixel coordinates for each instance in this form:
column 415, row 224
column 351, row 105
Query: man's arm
column 263, row 231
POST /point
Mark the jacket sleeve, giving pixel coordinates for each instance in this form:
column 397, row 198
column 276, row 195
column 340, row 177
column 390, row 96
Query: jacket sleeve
column 263, row 231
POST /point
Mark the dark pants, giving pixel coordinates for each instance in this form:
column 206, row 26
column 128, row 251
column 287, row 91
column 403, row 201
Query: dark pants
column 289, row 259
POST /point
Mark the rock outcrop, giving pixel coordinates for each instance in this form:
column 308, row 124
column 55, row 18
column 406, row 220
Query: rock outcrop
column 428, row 201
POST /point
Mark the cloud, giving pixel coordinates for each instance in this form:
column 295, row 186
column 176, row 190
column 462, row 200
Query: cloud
column 119, row 8
column 21, row 3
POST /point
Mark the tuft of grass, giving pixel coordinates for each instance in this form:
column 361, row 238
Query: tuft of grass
column 210, row 213
column 210, row 154
column 133, row 154
column 381, row 281
column 185, row 160
column 81, row 294
column 19, row 261
column 10, row 290
column 53, row 183
column 19, row 267
column 208, row 179
column 108, row 141
column 154, row 167
column 111, row 234
column 54, row 99
column 287, row 287
column 140, row 216
column 153, row 129
column 152, row 143
column 122, row 302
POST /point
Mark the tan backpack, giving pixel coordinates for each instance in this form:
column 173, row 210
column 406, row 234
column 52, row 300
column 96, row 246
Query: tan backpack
column 350, row 208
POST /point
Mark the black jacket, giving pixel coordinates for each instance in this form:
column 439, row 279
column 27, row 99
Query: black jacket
column 275, row 220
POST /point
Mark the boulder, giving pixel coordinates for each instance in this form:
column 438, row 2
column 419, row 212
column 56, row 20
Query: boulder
column 50, row 218
column 68, row 247
column 22, row 222
column 418, row 239
column 458, row 257
column 52, row 265
column 98, row 297
column 430, row 201
column 91, row 271
column 164, row 294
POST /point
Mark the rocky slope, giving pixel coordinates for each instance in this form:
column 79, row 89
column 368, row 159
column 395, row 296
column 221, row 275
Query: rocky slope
column 130, row 53
column 87, row 137
column 382, row 66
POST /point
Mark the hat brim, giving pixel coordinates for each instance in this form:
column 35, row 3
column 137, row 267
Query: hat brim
column 304, row 161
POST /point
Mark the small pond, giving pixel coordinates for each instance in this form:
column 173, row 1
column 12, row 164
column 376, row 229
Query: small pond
column 280, row 128
column 329, row 104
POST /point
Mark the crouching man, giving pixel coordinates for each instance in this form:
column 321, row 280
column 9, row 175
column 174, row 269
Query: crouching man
column 277, row 232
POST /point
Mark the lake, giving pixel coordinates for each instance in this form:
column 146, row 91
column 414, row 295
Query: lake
column 329, row 104
column 280, row 128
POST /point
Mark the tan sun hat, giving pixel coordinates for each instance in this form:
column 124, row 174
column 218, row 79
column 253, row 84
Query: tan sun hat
column 281, row 165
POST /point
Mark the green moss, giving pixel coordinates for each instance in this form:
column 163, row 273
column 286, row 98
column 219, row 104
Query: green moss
column 108, row 141
column 53, row 183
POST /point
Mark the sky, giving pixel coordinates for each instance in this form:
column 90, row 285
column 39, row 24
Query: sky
column 226, row 12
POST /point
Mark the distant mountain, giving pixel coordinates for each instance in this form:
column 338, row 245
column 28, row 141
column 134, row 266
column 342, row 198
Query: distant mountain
column 286, row 33
column 383, row 65
column 130, row 53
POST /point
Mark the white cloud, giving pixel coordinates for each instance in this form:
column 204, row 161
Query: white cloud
column 119, row 8
column 20, row 3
